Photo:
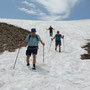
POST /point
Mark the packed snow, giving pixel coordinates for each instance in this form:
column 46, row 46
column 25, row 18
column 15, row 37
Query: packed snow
column 60, row 71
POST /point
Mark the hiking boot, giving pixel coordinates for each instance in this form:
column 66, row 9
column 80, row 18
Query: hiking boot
column 55, row 49
column 34, row 67
column 59, row 50
column 28, row 64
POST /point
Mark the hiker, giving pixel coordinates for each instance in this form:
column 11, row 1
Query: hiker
column 51, row 30
column 57, row 38
column 32, row 40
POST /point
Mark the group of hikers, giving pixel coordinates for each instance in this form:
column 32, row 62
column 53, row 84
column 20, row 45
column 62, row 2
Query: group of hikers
column 32, row 41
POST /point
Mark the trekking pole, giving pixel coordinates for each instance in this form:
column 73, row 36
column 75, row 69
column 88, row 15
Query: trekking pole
column 63, row 44
column 16, row 58
column 50, row 45
column 43, row 54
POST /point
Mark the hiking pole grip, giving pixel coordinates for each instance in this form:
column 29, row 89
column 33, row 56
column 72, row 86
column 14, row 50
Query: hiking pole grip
column 16, row 58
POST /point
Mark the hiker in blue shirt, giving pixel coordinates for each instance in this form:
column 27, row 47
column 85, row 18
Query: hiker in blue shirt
column 57, row 38
column 32, row 41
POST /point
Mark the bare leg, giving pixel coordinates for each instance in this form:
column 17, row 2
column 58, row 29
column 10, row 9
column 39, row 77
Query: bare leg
column 59, row 48
column 28, row 59
column 56, row 47
column 34, row 59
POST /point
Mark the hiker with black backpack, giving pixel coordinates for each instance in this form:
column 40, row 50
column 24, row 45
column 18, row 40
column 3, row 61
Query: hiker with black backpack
column 57, row 38
column 32, row 41
column 51, row 30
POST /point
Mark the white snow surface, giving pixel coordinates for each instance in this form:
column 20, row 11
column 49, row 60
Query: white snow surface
column 61, row 71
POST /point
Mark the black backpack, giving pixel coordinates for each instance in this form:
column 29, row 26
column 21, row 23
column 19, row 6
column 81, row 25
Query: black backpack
column 35, row 37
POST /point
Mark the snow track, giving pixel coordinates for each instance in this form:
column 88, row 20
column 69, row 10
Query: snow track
column 61, row 71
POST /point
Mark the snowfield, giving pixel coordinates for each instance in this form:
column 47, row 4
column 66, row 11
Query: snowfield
column 61, row 71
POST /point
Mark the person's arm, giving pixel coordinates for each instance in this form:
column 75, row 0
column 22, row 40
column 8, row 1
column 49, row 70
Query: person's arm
column 42, row 42
column 53, row 38
column 22, row 44
column 47, row 29
column 53, row 29
column 39, row 39
column 62, row 36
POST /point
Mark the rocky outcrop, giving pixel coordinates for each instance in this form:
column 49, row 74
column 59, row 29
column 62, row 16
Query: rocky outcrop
column 87, row 48
column 11, row 36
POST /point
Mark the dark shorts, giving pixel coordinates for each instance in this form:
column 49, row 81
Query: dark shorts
column 51, row 34
column 58, row 43
column 32, row 50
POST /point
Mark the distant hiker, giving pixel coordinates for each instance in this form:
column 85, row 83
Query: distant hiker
column 32, row 40
column 51, row 30
column 57, row 38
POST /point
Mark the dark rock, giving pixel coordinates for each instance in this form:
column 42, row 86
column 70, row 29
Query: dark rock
column 87, row 48
column 11, row 36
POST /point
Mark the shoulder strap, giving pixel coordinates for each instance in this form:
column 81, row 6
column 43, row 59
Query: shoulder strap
column 29, row 37
column 56, row 35
column 35, row 36
column 60, row 35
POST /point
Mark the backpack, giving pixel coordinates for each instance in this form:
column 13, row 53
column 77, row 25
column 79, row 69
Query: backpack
column 58, row 37
column 35, row 37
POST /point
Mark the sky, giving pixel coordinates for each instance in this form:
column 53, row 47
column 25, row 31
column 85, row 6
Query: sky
column 47, row 10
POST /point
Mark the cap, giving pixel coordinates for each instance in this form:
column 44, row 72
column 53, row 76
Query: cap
column 57, row 31
column 33, row 30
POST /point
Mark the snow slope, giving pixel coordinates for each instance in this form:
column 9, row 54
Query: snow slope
column 61, row 71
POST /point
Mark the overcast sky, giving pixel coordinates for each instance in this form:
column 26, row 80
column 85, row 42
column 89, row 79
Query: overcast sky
column 45, row 9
